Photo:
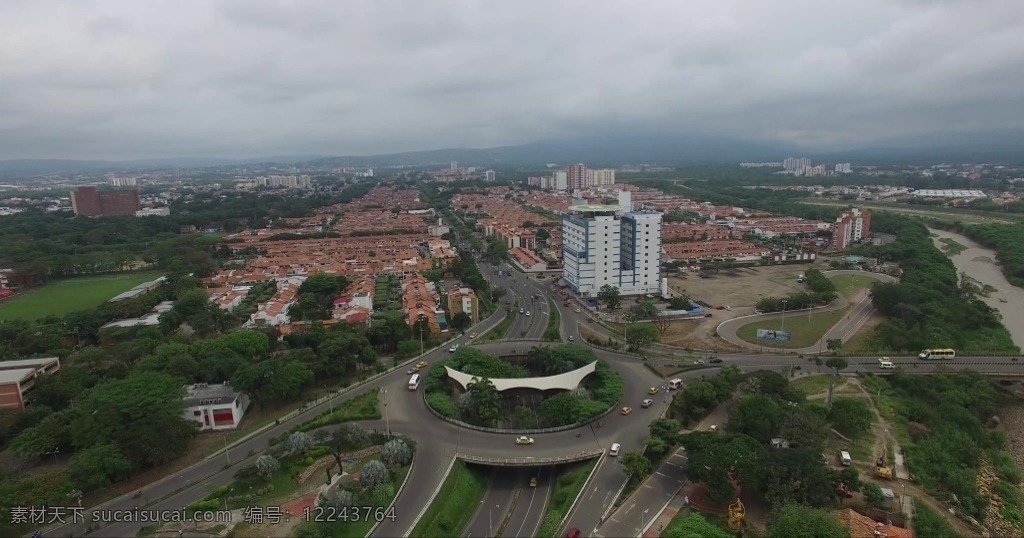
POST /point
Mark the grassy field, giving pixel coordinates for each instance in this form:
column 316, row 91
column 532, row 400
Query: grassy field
column 949, row 213
column 860, row 343
column 567, row 487
column 815, row 384
column 499, row 330
column 363, row 407
column 928, row 523
column 554, row 328
column 850, row 285
column 804, row 333
column 65, row 296
column 454, row 505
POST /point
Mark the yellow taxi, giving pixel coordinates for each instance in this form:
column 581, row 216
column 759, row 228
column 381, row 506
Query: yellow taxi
column 533, row 482
column 626, row 410
column 652, row 391
column 422, row 364
column 472, row 335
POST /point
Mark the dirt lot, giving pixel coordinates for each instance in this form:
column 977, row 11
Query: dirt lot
column 739, row 289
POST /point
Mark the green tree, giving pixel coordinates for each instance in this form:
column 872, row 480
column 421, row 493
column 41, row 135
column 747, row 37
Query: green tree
column 486, row 400
column 796, row 521
column 636, row 465
column 717, row 460
column 646, row 310
column 323, row 284
column 834, row 345
column 248, row 344
column 873, row 495
column 191, row 303
column 851, row 416
column 797, row 475
column 693, row 525
column 641, row 335
column 98, row 467
column 272, row 380
column 461, row 321
column 757, row 416
column 143, row 415
column 680, row 303
column 169, row 321
column 610, row 296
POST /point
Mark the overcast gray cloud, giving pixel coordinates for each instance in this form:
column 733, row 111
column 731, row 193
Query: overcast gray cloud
column 242, row 78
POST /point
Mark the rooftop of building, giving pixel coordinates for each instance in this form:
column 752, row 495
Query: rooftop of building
column 28, row 363
column 206, row 394
column 16, row 376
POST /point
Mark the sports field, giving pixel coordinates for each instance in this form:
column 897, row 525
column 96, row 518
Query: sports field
column 63, row 296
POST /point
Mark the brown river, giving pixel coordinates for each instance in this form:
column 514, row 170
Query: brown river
column 980, row 264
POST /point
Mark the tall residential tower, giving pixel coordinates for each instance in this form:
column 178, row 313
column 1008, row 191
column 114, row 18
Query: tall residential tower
column 612, row 245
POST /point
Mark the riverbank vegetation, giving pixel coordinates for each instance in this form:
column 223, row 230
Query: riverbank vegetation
column 928, row 308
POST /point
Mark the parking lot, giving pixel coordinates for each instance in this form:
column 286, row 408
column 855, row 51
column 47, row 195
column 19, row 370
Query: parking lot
column 739, row 289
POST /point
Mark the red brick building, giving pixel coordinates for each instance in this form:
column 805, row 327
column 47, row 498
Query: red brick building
column 89, row 202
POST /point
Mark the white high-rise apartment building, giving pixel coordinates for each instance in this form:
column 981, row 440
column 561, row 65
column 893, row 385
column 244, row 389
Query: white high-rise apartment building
column 490, row 175
column 611, row 245
column 796, row 164
column 843, row 168
column 559, row 180
column 600, row 177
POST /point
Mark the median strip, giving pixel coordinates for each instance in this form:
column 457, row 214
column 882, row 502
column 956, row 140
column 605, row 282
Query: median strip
column 453, row 505
column 570, row 484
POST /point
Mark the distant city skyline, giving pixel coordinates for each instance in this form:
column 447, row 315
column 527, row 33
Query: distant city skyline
column 117, row 80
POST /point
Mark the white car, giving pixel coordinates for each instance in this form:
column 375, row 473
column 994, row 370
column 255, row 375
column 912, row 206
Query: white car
column 614, row 450
column 577, row 310
column 527, row 314
column 454, row 348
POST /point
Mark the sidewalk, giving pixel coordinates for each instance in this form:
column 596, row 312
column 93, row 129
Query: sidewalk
column 655, row 492
column 676, row 505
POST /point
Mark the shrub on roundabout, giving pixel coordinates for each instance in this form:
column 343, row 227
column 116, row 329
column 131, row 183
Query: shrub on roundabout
column 599, row 392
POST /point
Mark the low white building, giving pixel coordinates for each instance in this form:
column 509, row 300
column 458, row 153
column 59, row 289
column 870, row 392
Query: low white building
column 215, row 406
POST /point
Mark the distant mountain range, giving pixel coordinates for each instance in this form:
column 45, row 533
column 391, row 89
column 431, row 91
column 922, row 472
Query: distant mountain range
column 1005, row 146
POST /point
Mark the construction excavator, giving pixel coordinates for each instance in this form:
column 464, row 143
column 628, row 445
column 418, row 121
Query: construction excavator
column 881, row 469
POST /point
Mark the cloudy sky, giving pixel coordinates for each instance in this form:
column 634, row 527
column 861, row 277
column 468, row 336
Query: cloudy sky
column 245, row 78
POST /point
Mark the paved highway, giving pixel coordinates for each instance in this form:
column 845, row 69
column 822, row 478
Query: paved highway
column 528, row 513
column 439, row 441
column 502, row 488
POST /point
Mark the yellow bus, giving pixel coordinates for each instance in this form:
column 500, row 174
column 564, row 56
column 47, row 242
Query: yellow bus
column 937, row 354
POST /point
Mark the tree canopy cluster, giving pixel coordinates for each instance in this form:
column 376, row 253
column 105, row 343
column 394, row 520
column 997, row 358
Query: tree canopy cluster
column 946, row 418
column 929, row 308
column 769, row 409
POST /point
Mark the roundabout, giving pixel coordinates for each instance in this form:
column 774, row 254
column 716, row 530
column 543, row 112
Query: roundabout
column 565, row 399
column 439, row 442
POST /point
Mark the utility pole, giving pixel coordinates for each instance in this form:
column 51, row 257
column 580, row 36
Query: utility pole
column 387, row 420
column 226, row 455
column 782, row 328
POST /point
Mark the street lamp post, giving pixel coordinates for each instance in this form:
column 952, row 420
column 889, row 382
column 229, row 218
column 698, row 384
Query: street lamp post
column 226, row 455
column 782, row 327
column 387, row 421
column 330, row 402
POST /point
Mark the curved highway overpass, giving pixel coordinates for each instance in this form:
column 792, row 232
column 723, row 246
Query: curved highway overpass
column 439, row 441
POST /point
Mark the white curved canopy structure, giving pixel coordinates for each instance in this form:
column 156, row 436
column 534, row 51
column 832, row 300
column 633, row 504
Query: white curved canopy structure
column 566, row 381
